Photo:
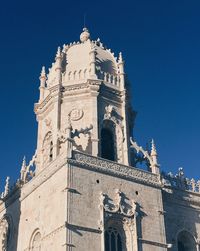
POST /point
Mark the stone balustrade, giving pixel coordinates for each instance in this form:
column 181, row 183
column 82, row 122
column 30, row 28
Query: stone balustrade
column 180, row 181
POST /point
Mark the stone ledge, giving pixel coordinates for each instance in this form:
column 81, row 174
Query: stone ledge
column 115, row 169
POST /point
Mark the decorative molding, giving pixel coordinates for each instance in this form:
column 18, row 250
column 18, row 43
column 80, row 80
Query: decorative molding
column 119, row 207
column 120, row 214
column 180, row 182
column 154, row 243
column 113, row 168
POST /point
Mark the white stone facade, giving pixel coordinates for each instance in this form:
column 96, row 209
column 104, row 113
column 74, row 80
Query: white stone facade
column 79, row 191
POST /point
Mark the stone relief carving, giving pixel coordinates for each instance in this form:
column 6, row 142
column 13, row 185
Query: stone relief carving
column 28, row 171
column 108, row 112
column 118, row 212
column 4, row 234
column 79, row 138
column 180, row 181
column 116, row 169
column 48, row 123
column 76, row 114
column 119, row 206
column 145, row 156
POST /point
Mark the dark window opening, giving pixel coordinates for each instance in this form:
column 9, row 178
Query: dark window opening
column 181, row 246
column 186, row 242
column 113, row 240
column 51, row 152
column 107, row 144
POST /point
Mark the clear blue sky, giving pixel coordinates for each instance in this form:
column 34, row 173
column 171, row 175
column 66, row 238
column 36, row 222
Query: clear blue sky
column 160, row 41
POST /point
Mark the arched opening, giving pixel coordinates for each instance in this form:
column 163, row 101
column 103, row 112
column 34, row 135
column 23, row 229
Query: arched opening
column 48, row 148
column 51, row 152
column 186, row 242
column 113, row 240
column 107, row 144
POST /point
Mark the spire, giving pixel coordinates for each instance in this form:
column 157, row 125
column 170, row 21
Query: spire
column 42, row 83
column 7, row 188
column 154, row 156
column 58, row 64
column 23, row 168
column 85, row 35
column 42, row 77
column 120, row 58
column 153, row 149
column 43, row 73
column 121, row 71
column 58, row 54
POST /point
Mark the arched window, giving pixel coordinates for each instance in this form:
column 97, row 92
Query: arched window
column 51, row 152
column 186, row 242
column 36, row 242
column 107, row 144
column 48, row 148
column 113, row 240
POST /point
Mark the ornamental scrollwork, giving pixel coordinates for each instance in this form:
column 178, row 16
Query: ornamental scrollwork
column 28, row 171
column 119, row 207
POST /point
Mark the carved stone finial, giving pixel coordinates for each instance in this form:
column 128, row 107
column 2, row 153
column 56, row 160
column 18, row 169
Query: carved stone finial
column 23, row 168
column 154, row 153
column 85, row 35
column 154, row 156
column 58, row 54
column 180, row 172
column 108, row 112
column 153, row 148
column 42, row 83
column 23, row 164
column 7, row 187
column 120, row 58
column 43, row 73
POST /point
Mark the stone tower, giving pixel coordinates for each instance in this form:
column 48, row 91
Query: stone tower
column 85, row 90
column 79, row 191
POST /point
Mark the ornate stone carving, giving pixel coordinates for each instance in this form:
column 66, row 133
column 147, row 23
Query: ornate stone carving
column 48, row 123
column 119, row 207
column 120, row 214
column 76, row 114
column 108, row 112
column 4, row 234
column 150, row 159
column 180, row 181
column 28, row 171
column 116, row 169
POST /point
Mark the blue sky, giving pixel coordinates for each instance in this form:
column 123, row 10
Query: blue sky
column 160, row 42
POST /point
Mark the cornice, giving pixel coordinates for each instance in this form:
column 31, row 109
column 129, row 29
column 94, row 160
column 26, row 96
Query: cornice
column 112, row 168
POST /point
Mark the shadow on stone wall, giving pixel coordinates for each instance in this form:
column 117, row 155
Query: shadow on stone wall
column 11, row 220
column 181, row 215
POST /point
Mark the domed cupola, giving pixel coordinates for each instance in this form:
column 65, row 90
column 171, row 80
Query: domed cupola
column 85, row 88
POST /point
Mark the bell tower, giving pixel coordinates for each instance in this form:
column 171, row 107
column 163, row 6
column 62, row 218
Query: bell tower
column 84, row 95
